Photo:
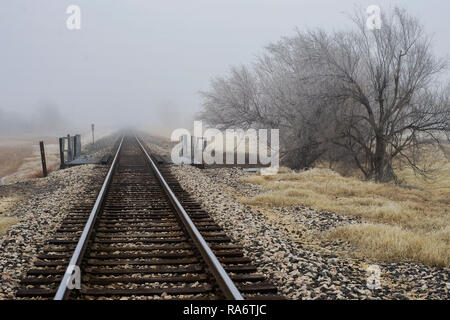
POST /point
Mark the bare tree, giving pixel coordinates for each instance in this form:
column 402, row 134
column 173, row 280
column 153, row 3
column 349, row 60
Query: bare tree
column 272, row 94
column 388, row 91
column 369, row 96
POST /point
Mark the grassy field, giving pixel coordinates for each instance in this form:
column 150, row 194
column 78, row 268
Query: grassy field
column 20, row 159
column 12, row 156
column 401, row 223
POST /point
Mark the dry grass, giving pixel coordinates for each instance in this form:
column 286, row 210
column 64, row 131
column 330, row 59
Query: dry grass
column 393, row 243
column 6, row 222
column 326, row 190
column 407, row 223
column 438, row 180
column 37, row 173
column 20, row 160
column 12, row 157
column 6, row 203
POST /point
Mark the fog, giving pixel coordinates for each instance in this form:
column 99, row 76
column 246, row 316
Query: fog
column 142, row 63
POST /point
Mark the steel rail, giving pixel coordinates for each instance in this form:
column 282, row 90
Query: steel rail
column 223, row 279
column 63, row 289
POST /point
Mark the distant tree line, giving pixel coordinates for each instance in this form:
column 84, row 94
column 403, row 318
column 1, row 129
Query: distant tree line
column 359, row 97
column 46, row 118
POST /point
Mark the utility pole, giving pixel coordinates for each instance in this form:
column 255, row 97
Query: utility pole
column 92, row 126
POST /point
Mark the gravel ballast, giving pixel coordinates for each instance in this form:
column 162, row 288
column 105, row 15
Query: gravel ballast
column 303, row 264
column 286, row 244
column 40, row 205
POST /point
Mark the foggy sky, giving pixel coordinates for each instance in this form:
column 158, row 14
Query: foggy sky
column 144, row 62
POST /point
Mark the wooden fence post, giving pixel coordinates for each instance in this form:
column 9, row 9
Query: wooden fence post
column 44, row 164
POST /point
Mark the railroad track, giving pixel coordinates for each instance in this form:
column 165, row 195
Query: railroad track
column 143, row 237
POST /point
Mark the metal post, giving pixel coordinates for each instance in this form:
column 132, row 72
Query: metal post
column 44, row 164
column 92, row 126
column 184, row 150
column 61, row 153
column 198, row 148
column 69, row 148
column 76, row 146
column 192, row 150
column 203, row 148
